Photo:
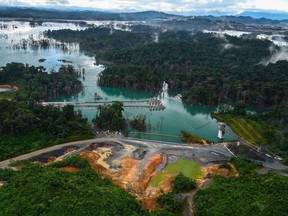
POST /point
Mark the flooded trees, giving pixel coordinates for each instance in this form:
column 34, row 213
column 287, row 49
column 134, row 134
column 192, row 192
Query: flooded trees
column 110, row 117
column 139, row 123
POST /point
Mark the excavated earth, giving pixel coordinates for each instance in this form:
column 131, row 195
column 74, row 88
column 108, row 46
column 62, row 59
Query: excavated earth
column 211, row 171
column 132, row 167
column 132, row 178
column 137, row 181
column 69, row 169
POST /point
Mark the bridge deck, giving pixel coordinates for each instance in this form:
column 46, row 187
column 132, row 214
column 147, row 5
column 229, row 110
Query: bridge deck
column 152, row 104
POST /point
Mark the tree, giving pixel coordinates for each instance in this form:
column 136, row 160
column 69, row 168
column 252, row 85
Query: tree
column 183, row 183
column 239, row 109
column 110, row 117
column 139, row 123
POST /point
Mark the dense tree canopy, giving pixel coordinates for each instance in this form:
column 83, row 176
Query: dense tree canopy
column 100, row 38
column 110, row 117
column 27, row 127
column 49, row 191
column 40, row 85
column 250, row 194
column 46, row 190
column 203, row 70
column 183, row 184
column 206, row 68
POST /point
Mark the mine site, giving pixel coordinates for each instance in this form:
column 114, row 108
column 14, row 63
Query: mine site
column 146, row 168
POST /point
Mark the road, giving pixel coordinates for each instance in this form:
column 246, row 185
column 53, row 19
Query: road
column 205, row 155
column 129, row 145
column 4, row 164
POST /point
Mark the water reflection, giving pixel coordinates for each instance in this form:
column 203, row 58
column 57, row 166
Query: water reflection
column 25, row 42
column 124, row 93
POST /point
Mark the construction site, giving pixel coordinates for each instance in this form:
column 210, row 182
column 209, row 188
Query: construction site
column 145, row 168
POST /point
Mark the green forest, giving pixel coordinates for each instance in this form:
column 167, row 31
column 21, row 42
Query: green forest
column 28, row 127
column 101, row 39
column 46, row 190
column 36, row 84
column 249, row 194
column 205, row 68
column 110, row 117
column 25, row 125
column 49, row 191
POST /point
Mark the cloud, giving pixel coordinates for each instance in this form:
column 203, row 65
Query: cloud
column 226, row 45
column 276, row 55
column 14, row 2
column 275, row 5
column 58, row 2
column 35, row 2
column 232, row 6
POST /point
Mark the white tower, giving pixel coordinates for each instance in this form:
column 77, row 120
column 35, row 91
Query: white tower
column 221, row 131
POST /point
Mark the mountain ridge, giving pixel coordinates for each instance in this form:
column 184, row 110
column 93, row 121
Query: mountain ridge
column 90, row 14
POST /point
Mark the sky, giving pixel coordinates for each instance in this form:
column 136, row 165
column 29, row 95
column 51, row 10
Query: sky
column 180, row 6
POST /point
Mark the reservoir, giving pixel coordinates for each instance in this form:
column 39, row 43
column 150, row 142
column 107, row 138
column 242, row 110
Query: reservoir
column 15, row 46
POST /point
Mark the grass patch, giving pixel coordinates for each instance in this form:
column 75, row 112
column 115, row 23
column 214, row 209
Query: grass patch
column 157, row 179
column 7, row 95
column 246, row 128
column 191, row 138
column 188, row 168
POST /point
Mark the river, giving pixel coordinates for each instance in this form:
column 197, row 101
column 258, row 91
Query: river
column 176, row 117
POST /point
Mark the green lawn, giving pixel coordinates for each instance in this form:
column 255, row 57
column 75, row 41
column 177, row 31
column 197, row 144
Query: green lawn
column 7, row 95
column 188, row 168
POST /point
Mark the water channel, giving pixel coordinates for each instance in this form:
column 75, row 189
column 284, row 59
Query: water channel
column 176, row 117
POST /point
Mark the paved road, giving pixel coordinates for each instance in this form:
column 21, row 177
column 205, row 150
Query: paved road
column 203, row 154
column 128, row 144
column 5, row 163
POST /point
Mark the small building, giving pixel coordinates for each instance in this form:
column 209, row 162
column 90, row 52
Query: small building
column 221, row 132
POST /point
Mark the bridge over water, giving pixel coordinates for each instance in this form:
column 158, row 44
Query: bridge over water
column 151, row 103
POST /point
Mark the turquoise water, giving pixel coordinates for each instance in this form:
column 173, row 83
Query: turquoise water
column 176, row 117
